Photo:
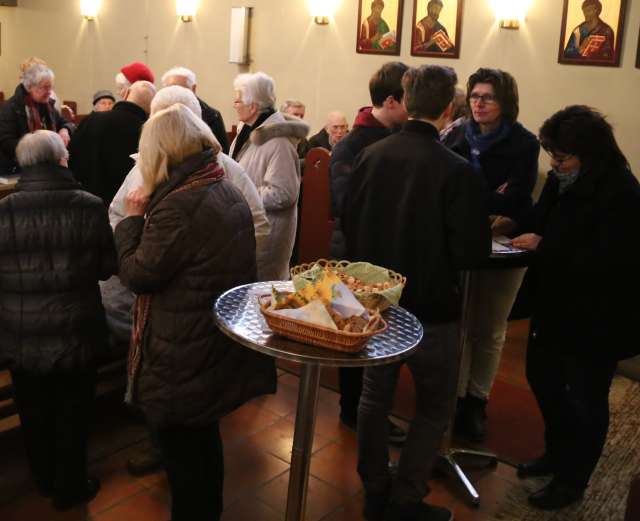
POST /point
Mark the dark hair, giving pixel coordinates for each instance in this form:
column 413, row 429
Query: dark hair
column 387, row 81
column 439, row 2
column 428, row 90
column 584, row 132
column 505, row 87
column 597, row 3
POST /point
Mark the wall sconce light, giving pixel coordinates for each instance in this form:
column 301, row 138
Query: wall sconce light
column 186, row 9
column 322, row 10
column 89, row 9
column 511, row 13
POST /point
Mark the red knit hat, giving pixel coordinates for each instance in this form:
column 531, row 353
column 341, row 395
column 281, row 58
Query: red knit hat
column 137, row 71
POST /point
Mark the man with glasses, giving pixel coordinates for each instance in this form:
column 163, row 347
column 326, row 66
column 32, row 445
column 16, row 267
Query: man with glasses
column 335, row 129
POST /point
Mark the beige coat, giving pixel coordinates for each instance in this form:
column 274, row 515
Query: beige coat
column 270, row 159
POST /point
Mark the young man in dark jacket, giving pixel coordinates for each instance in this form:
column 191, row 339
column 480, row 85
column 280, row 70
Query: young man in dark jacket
column 371, row 124
column 100, row 150
column 417, row 208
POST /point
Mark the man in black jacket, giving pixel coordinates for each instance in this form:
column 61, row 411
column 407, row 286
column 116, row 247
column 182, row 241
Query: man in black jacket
column 101, row 147
column 417, row 208
column 371, row 125
column 186, row 78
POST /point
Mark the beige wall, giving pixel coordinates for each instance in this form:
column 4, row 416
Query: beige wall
column 317, row 64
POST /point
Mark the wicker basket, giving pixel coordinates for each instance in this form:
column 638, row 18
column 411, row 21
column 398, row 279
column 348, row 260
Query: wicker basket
column 316, row 335
column 369, row 299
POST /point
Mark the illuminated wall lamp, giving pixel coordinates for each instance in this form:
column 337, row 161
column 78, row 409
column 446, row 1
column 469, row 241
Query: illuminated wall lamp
column 186, row 9
column 89, row 9
column 511, row 13
column 322, row 10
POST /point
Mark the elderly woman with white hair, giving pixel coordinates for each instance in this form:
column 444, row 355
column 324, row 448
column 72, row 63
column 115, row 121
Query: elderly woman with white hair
column 266, row 148
column 55, row 244
column 31, row 108
column 179, row 249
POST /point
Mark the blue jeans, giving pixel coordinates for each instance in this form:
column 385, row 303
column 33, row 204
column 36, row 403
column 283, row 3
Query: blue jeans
column 434, row 367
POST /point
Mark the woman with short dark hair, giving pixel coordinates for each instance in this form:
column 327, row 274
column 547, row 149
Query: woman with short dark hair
column 586, row 280
column 55, row 244
column 505, row 154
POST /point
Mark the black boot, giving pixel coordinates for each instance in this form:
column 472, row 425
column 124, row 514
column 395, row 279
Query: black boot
column 555, row 495
column 471, row 418
column 542, row 466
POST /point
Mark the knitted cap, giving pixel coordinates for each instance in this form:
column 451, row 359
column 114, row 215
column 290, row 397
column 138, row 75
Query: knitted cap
column 137, row 71
column 101, row 94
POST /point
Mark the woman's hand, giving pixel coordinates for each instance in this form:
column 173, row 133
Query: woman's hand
column 527, row 241
column 136, row 202
column 64, row 134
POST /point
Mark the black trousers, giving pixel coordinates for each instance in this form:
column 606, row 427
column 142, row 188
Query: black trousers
column 350, row 379
column 55, row 412
column 194, row 463
column 573, row 395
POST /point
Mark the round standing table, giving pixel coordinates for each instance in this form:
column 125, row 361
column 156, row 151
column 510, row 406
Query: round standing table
column 500, row 258
column 238, row 315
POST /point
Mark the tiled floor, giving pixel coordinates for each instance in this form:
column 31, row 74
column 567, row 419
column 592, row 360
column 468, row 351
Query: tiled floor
column 257, row 441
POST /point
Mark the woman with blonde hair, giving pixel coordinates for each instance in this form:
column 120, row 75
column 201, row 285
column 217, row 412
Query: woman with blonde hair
column 179, row 248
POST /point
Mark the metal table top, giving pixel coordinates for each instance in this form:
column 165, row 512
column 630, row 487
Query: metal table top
column 238, row 315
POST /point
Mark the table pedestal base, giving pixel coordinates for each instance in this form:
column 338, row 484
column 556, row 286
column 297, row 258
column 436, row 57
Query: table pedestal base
column 448, row 463
column 303, row 442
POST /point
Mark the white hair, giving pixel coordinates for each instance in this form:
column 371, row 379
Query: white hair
column 292, row 103
column 36, row 74
column 257, row 88
column 122, row 83
column 183, row 72
column 42, row 146
column 173, row 94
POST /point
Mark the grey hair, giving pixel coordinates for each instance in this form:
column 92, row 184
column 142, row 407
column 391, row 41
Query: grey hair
column 168, row 96
column 42, row 146
column 183, row 72
column 258, row 88
column 35, row 75
column 291, row 103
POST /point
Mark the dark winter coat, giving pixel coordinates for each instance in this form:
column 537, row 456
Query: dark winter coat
column 13, row 125
column 321, row 139
column 198, row 244
column 585, row 276
column 213, row 118
column 416, row 207
column 512, row 160
column 366, row 130
column 55, row 244
column 100, row 149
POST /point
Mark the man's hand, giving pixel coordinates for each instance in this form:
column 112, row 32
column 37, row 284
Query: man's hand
column 527, row 241
column 136, row 202
column 64, row 134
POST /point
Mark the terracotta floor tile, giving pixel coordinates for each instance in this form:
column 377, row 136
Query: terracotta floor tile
column 322, row 499
column 145, row 506
column 247, row 467
column 253, row 510
column 282, row 403
column 277, row 439
column 245, row 421
column 336, row 464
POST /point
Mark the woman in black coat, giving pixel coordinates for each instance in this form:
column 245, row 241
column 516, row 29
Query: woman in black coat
column 179, row 250
column 586, row 280
column 505, row 154
column 55, row 244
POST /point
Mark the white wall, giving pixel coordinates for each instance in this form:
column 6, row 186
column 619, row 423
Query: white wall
column 317, row 64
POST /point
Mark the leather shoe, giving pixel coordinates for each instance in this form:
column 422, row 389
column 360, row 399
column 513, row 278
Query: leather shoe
column 555, row 495
column 67, row 502
column 541, row 466
column 471, row 418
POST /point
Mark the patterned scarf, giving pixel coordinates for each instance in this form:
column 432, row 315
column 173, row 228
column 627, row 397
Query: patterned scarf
column 479, row 143
column 34, row 121
column 209, row 174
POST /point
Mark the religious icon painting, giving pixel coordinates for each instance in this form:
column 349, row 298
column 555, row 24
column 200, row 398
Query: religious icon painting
column 379, row 26
column 592, row 32
column 436, row 28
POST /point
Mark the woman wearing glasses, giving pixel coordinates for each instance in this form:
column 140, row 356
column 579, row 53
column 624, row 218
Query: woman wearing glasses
column 584, row 320
column 505, row 154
